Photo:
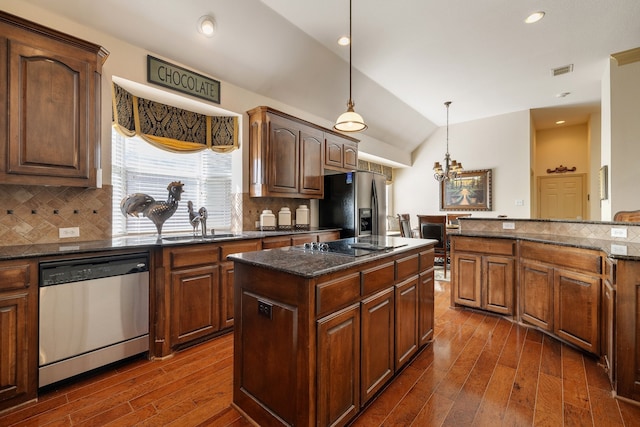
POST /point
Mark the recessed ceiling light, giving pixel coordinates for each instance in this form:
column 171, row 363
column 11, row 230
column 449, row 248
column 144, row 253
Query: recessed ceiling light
column 563, row 94
column 343, row 40
column 206, row 26
column 560, row 122
column 534, row 17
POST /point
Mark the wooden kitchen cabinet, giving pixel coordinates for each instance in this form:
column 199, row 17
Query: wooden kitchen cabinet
column 406, row 296
column 287, row 155
column 608, row 341
column 627, row 327
column 18, row 332
column 378, row 342
column 338, row 367
column 340, row 154
column 299, row 239
column 483, row 273
column 560, row 292
column 50, row 112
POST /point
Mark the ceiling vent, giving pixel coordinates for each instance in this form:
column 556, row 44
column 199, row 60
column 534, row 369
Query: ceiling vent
column 562, row 70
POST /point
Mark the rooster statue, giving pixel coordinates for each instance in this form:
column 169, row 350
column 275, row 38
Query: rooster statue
column 157, row 212
column 197, row 218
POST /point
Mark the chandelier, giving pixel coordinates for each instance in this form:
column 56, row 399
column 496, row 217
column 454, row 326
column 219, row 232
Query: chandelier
column 451, row 167
column 350, row 121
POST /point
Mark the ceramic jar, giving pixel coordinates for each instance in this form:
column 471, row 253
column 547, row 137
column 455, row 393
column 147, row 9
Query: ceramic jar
column 267, row 220
column 302, row 216
column 284, row 218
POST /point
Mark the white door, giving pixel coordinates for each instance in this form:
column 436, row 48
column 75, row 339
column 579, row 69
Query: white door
column 561, row 197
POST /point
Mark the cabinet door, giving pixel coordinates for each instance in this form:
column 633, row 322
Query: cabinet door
column 338, row 367
column 406, row 320
column 328, row 236
column 50, row 100
column 350, row 155
column 536, row 295
column 18, row 333
column 300, row 239
column 311, row 162
column 497, row 284
column 195, row 310
column 608, row 329
column 333, row 154
column 276, row 242
column 377, row 342
column 426, row 316
column 467, row 279
column 226, row 297
column 577, row 309
column 283, row 155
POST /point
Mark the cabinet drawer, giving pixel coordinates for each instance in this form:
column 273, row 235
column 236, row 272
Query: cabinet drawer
column 426, row 259
column 580, row 259
column 376, row 278
column 194, row 255
column 484, row 246
column 276, row 242
column 407, row 267
column 16, row 276
column 333, row 295
column 236, row 248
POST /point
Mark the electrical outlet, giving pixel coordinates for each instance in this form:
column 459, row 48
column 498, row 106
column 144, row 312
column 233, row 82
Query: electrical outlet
column 619, row 232
column 508, row 225
column 618, row 249
column 257, row 224
column 519, row 202
column 64, row 233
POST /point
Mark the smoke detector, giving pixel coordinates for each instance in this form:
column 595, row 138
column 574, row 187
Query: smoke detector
column 562, row 70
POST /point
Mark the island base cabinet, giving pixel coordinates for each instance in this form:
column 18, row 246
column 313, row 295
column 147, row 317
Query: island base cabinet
column 338, row 367
column 576, row 309
column 406, row 321
column 378, row 319
column 497, row 284
column 467, row 280
column 627, row 338
column 536, row 295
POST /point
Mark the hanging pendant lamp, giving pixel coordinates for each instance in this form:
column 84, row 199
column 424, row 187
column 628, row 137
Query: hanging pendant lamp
column 451, row 168
column 350, row 121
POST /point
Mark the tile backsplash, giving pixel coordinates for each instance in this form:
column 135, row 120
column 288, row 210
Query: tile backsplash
column 252, row 207
column 33, row 214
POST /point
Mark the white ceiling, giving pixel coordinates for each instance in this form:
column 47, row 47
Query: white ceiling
column 409, row 56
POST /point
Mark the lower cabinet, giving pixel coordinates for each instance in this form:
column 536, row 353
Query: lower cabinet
column 378, row 342
column 607, row 338
column 406, row 295
column 484, row 280
column 18, row 332
column 560, row 292
column 426, row 300
column 299, row 239
column 338, row 367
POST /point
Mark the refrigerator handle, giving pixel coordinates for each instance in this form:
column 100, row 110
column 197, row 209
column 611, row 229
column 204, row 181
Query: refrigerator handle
column 374, row 208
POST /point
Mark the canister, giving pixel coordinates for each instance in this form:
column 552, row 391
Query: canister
column 267, row 220
column 302, row 216
column 284, row 218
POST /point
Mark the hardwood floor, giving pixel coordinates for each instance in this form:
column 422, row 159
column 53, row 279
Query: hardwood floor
column 480, row 370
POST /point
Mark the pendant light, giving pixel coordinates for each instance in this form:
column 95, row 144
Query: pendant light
column 451, row 167
column 350, row 121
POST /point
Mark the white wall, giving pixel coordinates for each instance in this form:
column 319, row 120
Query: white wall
column 501, row 143
column 595, row 156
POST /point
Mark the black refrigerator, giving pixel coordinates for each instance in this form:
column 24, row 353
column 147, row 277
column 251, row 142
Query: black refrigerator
column 355, row 202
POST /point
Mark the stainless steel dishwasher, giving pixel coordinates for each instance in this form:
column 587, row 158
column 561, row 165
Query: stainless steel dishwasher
column 93, row 311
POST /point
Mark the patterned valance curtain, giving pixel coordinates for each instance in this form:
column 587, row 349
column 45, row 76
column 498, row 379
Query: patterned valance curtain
column 171, row 128
column 387, row 171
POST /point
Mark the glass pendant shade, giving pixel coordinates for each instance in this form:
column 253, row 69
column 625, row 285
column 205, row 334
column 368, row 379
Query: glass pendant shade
column 350, row 121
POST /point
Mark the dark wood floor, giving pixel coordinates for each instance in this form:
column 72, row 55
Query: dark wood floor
column 480, row 371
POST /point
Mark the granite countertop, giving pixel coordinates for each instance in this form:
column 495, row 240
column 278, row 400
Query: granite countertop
column 613, row 248
column 142, row 243
column 308, row 263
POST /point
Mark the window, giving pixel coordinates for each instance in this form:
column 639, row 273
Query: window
column 139, row 167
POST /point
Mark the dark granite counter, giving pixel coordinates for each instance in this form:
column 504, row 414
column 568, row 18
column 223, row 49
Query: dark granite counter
column 613, row 248
column 142, row 243
column 308, row 263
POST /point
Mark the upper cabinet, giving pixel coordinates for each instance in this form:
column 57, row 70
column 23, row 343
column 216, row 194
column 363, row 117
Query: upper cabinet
column 50, row 108
column 288, row 155
column 340, row 154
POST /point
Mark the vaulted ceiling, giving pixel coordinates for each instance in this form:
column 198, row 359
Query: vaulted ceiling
column 409, row 56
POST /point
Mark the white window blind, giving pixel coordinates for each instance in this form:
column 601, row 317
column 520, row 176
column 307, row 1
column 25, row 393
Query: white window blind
column 139, row 167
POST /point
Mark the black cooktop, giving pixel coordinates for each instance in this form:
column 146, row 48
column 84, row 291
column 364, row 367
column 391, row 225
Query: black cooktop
column 353, row 246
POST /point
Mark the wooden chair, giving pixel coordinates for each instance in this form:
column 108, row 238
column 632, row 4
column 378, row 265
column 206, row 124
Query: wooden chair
column 405, row 225
column 627, row 216
column 452, row 219
column 435, row 227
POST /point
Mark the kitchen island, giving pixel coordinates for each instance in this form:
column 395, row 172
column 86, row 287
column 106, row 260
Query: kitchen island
column 317, row 334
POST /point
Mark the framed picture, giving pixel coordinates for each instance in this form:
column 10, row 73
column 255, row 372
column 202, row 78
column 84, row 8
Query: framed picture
column 604, row 186
column 469, row 191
